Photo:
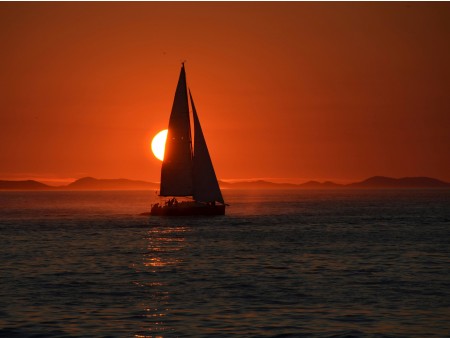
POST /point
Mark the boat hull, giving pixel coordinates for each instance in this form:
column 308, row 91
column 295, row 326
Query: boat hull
column 188, row 210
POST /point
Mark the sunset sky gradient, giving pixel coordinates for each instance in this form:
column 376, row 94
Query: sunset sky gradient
column 284, row 91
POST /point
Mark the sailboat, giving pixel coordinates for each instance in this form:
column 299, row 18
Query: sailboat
column 187, row 169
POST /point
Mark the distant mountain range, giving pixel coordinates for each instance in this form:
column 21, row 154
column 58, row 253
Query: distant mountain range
column 23, row 185
column 90, row 183
column 260, row 184
column 405, row 182
column 86, row 183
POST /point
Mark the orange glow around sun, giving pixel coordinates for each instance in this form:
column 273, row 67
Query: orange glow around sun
column 159, row 144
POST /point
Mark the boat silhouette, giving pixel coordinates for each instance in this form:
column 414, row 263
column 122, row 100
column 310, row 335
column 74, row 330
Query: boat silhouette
column 187, row 169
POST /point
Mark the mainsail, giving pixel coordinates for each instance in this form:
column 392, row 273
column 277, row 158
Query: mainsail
column 176, row 171
column 187, row 170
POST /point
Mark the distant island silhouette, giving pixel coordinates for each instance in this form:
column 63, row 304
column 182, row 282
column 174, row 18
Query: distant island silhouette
column 90, row 183
column 405, row 182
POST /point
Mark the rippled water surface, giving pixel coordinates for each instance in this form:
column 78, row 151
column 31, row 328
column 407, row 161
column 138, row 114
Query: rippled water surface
column 280, row 263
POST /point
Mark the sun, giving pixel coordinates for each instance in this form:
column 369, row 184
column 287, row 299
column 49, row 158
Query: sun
column 159, row 144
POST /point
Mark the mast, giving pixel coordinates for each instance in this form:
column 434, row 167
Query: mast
column 206, row 186
column 176, row 170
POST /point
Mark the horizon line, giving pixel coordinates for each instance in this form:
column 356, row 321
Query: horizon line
column 275, row 180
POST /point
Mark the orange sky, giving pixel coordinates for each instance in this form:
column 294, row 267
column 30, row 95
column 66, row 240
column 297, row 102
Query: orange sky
column 295, row 91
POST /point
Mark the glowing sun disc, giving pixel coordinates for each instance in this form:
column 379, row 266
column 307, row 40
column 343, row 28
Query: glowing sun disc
column 159, row 144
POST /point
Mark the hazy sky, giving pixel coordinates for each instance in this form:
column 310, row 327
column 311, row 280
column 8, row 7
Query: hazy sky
column 295, row 91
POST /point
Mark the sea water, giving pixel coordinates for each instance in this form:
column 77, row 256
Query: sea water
column 330, row 263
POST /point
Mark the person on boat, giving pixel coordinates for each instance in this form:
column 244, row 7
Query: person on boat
column 172, row 201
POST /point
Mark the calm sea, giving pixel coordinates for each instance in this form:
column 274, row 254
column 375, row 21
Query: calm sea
column 279, row 264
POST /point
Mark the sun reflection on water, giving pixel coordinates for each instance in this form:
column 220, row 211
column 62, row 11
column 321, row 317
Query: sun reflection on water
column 161, row 256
